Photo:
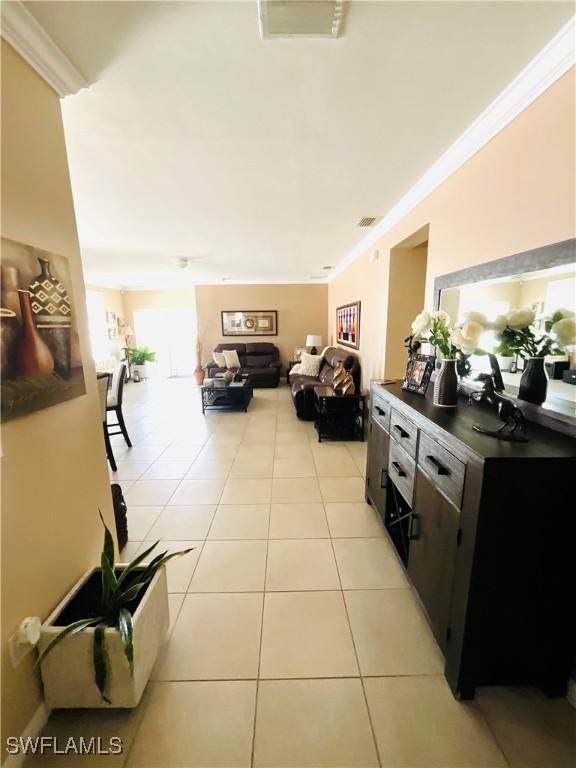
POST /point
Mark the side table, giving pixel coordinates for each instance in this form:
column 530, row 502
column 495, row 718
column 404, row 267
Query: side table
column 291, row 364
column 339, row 417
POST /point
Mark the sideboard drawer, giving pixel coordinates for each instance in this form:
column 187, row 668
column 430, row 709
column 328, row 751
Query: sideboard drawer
column 380, row 411
column 446, row 471
column 401, row 470
column 404, row 432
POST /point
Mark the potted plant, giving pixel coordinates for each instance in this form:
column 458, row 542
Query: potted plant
column 519, row 334
column 139, row 357
column 453, row 341
column 99, row 645
column 199, row 371
column 504, row 355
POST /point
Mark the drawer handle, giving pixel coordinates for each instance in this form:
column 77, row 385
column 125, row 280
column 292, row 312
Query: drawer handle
column 442, row 470
column 402, row 432
column 415, row 527
column 383, row 478
column 398, row 469
column 380, row 411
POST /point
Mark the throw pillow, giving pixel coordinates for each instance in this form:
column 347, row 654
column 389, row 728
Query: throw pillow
column 296, row 368
column 232, row 359
column 219, row 359
column 310, row 364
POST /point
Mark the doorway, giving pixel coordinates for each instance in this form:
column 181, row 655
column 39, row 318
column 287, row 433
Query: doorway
column 406, row 295
column 171, row 333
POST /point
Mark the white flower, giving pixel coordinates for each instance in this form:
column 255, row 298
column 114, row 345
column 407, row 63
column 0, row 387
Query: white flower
column 440, row 314
column 477, row 317
column 466, row 336
column 565, row 331
column 520, row 318
column 421, row 323
column 499, row 323
column 457, row 340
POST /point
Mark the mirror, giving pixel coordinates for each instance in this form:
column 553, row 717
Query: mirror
column 543, row 289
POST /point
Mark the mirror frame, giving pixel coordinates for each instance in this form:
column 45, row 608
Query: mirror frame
column 554, row 255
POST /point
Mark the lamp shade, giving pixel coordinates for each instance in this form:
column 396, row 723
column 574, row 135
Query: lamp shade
column 313, row 341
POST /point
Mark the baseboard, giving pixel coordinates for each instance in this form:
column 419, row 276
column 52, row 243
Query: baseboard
column 34, row 728
column 571, row 692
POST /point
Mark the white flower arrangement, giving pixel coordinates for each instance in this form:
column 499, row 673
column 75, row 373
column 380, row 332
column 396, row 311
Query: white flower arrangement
column 521, row 338
column 450, row 339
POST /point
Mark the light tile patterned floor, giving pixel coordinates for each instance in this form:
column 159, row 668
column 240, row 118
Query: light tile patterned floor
column 295, row 639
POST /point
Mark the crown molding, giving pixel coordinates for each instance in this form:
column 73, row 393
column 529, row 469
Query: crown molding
column 553, row 61
column 32, row 42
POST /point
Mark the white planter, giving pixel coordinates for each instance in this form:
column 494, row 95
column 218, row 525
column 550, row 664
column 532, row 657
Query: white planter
column 142, row 370
column 68, row 672
column 505, row 363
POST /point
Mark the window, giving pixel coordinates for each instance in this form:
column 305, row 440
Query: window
column 97, row 326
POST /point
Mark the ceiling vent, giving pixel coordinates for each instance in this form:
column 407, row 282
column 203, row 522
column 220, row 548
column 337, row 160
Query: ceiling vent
column 367, row 221
column 299, row 18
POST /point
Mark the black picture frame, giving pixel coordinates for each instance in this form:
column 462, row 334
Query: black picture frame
column 256, row 322
column 418, row 373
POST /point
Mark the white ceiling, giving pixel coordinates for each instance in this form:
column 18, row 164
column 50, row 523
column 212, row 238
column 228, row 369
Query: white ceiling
column 198, row 139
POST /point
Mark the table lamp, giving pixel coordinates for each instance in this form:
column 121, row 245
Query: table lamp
column 313, row 341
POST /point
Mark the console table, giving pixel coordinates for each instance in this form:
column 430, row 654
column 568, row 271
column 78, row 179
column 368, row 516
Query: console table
column 486, row 531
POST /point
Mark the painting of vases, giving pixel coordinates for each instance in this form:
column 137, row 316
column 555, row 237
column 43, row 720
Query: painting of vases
column 41, row 360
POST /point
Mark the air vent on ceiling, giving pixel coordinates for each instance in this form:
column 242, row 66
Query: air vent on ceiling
column 300, row 18
column 327, row 267
column 366, row 221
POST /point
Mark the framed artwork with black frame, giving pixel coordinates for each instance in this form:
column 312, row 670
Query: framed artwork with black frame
column 418, row 372
column 258, row 322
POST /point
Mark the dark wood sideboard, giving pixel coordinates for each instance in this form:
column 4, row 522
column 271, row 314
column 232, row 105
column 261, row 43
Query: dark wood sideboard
column 486, row 531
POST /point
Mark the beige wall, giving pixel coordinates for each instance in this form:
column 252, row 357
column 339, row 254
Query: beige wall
column 54, row 475
column 113, row 299
column 517, row 193
column 302, row 309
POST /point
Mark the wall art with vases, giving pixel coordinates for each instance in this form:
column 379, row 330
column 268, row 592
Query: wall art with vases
column 41, row 360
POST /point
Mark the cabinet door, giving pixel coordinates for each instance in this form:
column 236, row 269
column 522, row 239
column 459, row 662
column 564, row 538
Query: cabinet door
column 377, row 467
column 433, row 544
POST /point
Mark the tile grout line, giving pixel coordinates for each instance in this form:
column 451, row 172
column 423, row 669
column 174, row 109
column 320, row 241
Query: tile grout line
column 372, row 729
column 260, row 643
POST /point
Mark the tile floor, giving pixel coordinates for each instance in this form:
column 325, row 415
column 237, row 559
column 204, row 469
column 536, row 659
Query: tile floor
column 295, row 638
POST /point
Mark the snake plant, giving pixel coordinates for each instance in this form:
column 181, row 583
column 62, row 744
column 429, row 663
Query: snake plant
column 118, row 593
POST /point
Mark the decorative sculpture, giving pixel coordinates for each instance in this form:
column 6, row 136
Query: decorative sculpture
column 507, row 410
column 339, row 376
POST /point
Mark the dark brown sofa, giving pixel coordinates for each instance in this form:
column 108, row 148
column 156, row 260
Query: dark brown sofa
column 260, row 359
column 302, row 387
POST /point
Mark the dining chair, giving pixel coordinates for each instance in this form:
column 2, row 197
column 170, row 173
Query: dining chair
column 115, row 395
column 103, row 380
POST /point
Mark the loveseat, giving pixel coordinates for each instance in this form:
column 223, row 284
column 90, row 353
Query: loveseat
column 302, row 387
column 260, row 359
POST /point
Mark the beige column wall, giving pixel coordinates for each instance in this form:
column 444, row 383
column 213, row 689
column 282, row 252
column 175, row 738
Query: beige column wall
column 516, row 193
column 54, row 475
column 302, row 309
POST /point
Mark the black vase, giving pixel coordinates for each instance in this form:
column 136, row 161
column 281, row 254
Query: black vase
column 534, row 381
column 446, row 385
column 52, row 315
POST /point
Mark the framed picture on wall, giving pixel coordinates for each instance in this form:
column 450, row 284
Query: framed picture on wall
column 348, row 325
column 41, row 359
column 259, row 322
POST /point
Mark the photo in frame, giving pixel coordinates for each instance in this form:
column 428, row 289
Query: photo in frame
column 348, row 325
column 418, row 372
column 261, row 322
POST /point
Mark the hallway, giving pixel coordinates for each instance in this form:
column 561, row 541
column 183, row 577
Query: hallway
column 295, row 639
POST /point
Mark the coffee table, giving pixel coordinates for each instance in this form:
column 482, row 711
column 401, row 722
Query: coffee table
column 234, row 396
